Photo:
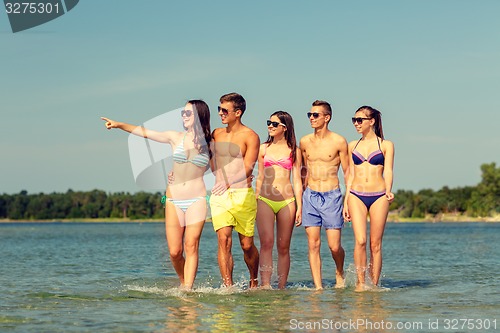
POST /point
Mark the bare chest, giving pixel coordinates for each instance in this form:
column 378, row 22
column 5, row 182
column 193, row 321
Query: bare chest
column 324, row 153
column 229, row 146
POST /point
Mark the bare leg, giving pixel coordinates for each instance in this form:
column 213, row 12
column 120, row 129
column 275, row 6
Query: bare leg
column 265, row 227
column 251, row 256
column 285, row 222
column 378, row 219
column 174, row 234
column 195, row 220
column 338, row 254
column 224, row 255
column 314, row 245
column 357, row 210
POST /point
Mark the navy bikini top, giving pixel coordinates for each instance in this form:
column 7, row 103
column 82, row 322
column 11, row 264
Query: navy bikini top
column 375, row 158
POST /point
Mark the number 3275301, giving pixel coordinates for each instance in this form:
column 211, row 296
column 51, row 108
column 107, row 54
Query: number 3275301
column 31, row 8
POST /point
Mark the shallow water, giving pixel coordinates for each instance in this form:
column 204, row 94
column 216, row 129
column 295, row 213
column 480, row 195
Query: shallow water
column 114, row 277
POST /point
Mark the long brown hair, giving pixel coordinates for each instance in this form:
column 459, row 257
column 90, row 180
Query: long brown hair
column 202, row 133
column 375, row 114
column 286, row 118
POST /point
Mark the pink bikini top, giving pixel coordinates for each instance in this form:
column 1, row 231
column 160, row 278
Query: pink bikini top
column 285, row 163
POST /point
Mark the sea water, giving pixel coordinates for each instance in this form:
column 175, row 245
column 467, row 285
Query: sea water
column 116, row 277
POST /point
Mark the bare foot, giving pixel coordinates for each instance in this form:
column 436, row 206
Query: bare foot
column 266, row 287
column 340, row 280
column 361, row 287
column 254, row 283
column 185, row 288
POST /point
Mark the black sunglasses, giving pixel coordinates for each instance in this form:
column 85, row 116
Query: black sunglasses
column 274, row 123
column 224, row 111
column 186, row 113
column 314, row 114
column 359, row 120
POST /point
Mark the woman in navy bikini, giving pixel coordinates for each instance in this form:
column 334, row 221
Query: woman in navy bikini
column 368, row 191
column 278, row 200
column 186, row 203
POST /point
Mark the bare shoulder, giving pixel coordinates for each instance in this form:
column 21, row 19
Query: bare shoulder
column 216, row 132
column 305, row 140
column 178, row 135
column 172, row 137
column 247, row 131
column 352, row 144
column 338, row 137
column 248, row 135
column 386, row 144
column 262, row 148
column 338, row 140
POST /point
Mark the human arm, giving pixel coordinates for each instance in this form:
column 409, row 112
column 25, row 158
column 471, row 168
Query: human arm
column 220, row 185
column 348, row 179
column 388, row 169
column 344, row 158
column 260, row 174
column 164, row 137
column 303, row 169
column 297, row 186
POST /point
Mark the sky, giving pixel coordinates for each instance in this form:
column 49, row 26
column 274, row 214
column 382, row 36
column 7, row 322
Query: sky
column 431, row 67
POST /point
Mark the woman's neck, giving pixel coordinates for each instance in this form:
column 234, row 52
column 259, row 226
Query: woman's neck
column 369, row 136
column 281, row 140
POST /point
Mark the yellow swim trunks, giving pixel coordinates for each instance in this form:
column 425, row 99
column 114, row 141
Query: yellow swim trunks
column 235, row 208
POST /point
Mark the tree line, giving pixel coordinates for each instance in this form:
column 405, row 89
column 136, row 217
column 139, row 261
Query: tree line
column 480, row 200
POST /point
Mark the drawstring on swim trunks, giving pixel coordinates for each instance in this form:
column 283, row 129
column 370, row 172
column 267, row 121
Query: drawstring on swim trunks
column 320, row 195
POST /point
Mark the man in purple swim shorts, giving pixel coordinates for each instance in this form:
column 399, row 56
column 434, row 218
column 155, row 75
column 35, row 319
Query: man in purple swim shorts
column 323, row 153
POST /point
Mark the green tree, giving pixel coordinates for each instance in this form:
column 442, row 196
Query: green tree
column 485, row 199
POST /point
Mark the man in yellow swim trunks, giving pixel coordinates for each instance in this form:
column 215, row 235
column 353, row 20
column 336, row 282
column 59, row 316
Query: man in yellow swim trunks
column 232, row 203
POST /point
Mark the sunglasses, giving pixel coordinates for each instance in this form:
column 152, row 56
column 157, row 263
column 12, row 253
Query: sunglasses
column 274, row 123
column 186, row 113
column 314, row 114
column 224, row 111
column 359, row 120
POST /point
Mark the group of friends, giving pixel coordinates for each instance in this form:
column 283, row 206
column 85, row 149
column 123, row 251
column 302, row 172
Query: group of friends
column 297, row 184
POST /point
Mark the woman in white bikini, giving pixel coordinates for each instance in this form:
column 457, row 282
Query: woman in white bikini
column 278, row 200
column 185, row 200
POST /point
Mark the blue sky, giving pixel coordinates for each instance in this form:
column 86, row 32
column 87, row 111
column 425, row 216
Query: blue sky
column 431, row 67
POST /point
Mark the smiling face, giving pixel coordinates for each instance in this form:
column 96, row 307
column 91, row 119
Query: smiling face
column 362, row 122
column 277, row 131
column 318, row 118
column 188, row 116
column 227, row 112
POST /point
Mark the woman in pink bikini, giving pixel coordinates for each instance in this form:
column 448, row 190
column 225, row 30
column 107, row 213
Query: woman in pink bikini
column 277, row 198
column 369, row 191
column 185, row 201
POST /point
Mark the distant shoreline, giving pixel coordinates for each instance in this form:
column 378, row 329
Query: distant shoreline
column 393, row 218
column 449, row 217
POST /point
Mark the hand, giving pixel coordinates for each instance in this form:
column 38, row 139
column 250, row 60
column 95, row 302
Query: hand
column 171, row 178
column 110, row 123
column 345, row 213
column 219, row 188
column 389, row 196
column 298, row 217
